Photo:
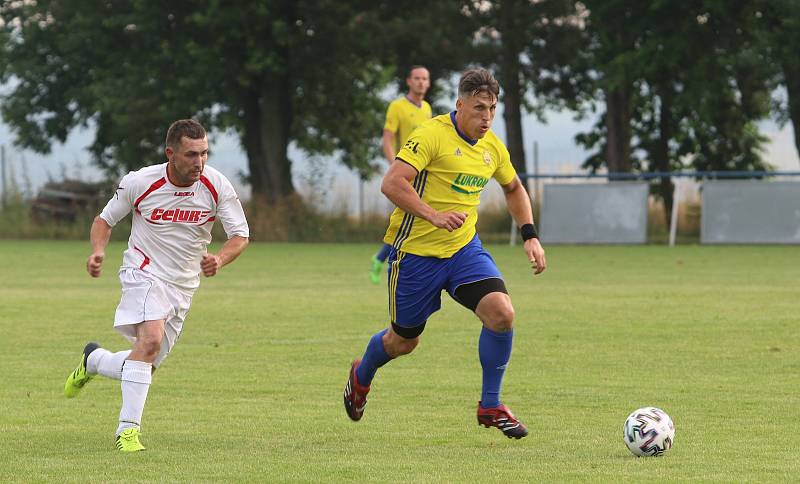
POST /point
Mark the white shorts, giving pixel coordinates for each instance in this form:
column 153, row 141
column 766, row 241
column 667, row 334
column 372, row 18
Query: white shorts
column 147, row 298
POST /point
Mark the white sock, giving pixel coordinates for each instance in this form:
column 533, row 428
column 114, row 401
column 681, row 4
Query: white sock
column 136, row 378
column 106, row 363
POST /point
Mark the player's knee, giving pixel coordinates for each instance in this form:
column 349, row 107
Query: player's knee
column 497, row 314
column 401, row 340
column 149, row 343
column 504, row 318
column 404, row 346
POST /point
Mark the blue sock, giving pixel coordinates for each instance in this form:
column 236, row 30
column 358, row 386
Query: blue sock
column 383, row 254
column 374, row 358
column 494, row 350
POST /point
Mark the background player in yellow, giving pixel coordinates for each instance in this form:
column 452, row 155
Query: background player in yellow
column 436, row 182
column 402, row 117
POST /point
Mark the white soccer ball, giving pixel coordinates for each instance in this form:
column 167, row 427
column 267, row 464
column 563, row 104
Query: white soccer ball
column 649, row 431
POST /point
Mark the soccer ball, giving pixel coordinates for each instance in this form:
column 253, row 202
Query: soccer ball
column 649, row 431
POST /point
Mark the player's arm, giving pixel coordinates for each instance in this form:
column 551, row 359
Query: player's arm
column 99, row 236
column 230, row 250
column 231, row 214
column 117, row 208
column 388, row 145
column 519, row 206
column 397, row 186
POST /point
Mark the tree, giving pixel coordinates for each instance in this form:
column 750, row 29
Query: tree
column 613, row 30
column 527, row 43
column 779, row 32
column 689, row 86
column 437, row 35
column 276, row 71
column 700, row 108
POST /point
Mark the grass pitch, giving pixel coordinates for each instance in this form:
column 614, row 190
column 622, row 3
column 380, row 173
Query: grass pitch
column 252, row 391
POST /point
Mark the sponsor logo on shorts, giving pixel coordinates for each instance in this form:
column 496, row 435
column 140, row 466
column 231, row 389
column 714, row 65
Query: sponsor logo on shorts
column 178, row 215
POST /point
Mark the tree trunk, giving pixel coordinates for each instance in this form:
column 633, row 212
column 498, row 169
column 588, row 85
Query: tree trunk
column 512, row 90
column 791, row 77
column 661, row 157
column 618, row 129
column 267, row 118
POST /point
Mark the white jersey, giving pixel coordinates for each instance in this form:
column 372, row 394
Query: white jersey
column 171, row 224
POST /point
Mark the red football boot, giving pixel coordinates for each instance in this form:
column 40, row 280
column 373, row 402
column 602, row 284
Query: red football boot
column 502, row 418
column 355, row 395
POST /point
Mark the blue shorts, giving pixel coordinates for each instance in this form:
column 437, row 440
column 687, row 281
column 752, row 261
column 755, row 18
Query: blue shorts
column 416, row 282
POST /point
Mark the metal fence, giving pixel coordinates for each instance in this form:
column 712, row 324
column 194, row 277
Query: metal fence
column 754, row 200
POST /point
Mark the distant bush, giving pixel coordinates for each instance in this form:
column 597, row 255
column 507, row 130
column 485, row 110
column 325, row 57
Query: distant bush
column 292, row 220
column 61, row 210
column 688, row 230
column 17, row 221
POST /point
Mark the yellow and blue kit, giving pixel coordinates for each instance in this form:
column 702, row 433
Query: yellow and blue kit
column 403, row 117
column 452, row 171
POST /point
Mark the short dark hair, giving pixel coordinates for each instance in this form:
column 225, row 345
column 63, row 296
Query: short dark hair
column 190, row 128
column 475, row 81
column 413, row 68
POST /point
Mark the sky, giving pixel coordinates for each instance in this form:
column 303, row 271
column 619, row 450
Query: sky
column 337, row 188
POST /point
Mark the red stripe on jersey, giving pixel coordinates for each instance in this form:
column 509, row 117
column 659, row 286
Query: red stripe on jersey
column 146, row 259
column 210, row 187
column 155, row 186
column 210, row 219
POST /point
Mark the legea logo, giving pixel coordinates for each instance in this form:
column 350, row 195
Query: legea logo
column 178, row 215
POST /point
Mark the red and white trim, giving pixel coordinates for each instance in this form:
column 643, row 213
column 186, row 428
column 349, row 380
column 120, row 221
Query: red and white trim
column 146, row 259
column 209, row 219
column 210, row 187
column 155, row 186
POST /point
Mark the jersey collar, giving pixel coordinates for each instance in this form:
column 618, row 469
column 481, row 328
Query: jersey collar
column 169, row 179
column 466, row 138
column 418, row 106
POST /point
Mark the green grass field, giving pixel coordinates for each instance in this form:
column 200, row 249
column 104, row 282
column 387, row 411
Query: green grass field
column 253, row 390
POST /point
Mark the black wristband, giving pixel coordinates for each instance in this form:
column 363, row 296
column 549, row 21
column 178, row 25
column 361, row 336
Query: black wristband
column 528, row 231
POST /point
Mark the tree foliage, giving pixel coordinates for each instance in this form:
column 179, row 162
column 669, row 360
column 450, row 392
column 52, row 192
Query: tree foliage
column 525, row 43
column 438, row 35
column 779, row 36
column 696, row 85
column 274, row 71
column 676, row 83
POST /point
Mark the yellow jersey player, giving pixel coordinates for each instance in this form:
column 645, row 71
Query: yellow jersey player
column 402, row 117
column 435, row 182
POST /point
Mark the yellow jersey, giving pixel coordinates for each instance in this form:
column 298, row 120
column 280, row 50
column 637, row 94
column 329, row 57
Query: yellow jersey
column 452, row 171
column 403, row 117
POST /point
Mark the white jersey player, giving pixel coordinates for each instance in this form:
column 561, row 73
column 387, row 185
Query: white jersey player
column 172, row 224
column 173, row 205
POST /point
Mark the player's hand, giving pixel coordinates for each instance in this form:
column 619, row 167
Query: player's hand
column 535, row 254
column 95, row 263
column 448, row 220
column 210, row 264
